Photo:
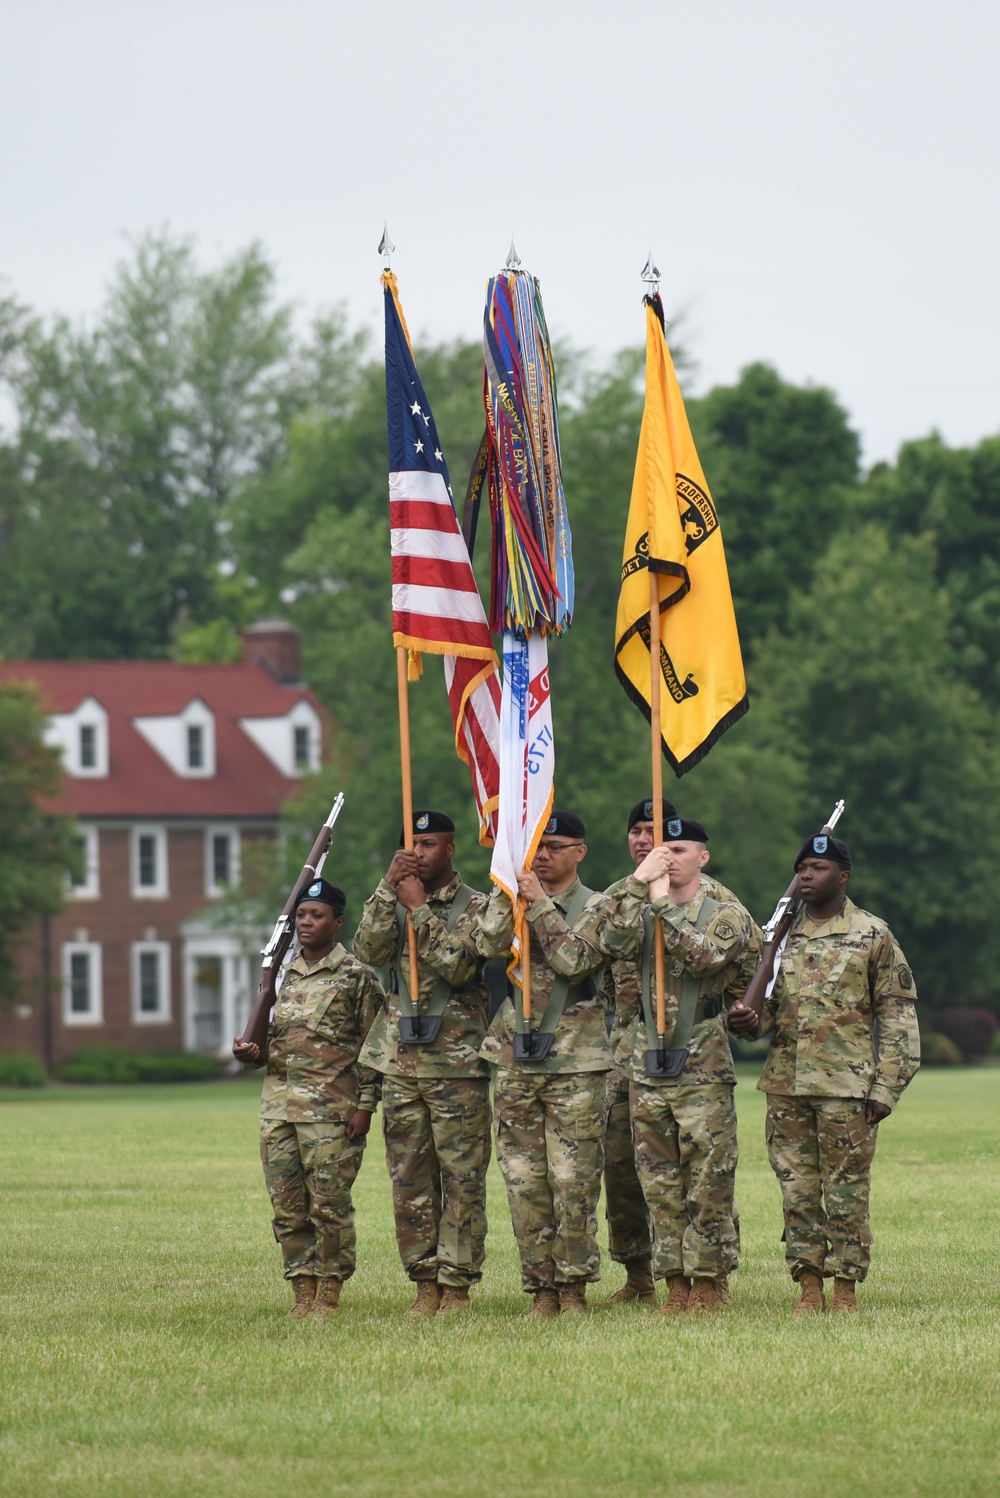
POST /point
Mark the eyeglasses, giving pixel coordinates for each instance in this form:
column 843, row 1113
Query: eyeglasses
column 558, row 847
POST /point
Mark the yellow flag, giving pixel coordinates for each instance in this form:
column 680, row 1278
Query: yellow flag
column 673, row 532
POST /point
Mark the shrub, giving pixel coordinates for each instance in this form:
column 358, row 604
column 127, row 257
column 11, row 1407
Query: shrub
column 102, row 1064
column 183, row 1067
column 972, row 1030
column 21, row 1069
column 938, row 1050
column 97, row 1064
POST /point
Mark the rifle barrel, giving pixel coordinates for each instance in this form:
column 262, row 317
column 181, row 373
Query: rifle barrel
column 284, row 930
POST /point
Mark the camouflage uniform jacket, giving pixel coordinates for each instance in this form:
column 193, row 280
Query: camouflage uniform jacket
column 713, row 954
column 322, row 1015
column 442, row 954
column 581, row 1036
column 842, row 1011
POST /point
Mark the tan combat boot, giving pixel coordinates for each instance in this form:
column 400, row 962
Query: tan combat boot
column 676, row 1302
column 454, row 1299
column 546, row 1303
column 573, row 1299
column 304, row 1289
column 428, row 1299
column 844, row 1302
column 327, row 1297
column 812, row 1302
column 703, row 1297
column 638, row 1286
column 722, row 1290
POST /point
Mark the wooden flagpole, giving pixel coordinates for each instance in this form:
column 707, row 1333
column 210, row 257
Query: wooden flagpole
column 657, row 758
column 524, row 936
column 403, row 693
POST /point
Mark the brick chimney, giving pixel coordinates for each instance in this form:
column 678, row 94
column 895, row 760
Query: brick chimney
column 275, row 645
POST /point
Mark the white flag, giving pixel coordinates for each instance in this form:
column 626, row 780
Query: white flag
column 527, row 763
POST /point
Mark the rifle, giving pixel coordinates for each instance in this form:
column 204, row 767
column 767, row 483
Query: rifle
column 774, row 934
column 281, row 937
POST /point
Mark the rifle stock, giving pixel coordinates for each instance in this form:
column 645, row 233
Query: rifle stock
column 281, row 937
column 775, row 932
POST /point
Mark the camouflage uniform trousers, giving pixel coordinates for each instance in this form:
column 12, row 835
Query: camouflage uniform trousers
column 550, row 1145
column 630, row 1236
column 821, row 1149
column 685, row 1148
column 309, row 1169
column 437, row 1147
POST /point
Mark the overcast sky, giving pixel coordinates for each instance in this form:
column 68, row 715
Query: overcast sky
column 817, row 180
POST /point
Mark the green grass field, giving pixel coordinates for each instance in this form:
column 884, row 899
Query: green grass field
column 145, row 1347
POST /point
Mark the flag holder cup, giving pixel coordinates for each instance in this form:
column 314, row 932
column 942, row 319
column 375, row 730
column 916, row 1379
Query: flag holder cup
column 665, row 1061
column 533, row 1045
column 419, row 1029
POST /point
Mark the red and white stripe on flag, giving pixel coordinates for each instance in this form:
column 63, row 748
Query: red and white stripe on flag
column 436, row 607
column 435, row 601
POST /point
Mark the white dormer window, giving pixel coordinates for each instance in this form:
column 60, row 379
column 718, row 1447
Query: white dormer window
column 185, row 740
column 196, row 746
column 88, row 746
column 292, row 742
column 82, row 738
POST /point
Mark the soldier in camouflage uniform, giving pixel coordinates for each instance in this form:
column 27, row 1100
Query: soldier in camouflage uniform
column 551, row 1111
column 630, row 1233
column 845, row 1045
column 684, row 1127
column 316, row 1103
column 435, row 1097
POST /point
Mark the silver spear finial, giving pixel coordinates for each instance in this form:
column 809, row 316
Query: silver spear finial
column 513, row 258
column 385, row 244
column 651, row 272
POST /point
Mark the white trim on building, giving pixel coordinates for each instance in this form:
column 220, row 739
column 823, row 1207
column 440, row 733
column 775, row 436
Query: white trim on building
column 89, row 887
column 83, row 987
column 150, row 874
column 222, row 858
column 150, row 982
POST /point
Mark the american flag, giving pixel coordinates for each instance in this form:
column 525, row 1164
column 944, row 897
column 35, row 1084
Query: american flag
column 436, row 605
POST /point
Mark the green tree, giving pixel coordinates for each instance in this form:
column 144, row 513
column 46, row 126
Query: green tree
column 865, row 685
column 38, row 850
column 781, row 462
column 952, row 495
column 131, row 441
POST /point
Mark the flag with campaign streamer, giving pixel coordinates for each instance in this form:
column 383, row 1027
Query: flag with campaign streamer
column 436, row 605
column 674, row 533
column 519, row 469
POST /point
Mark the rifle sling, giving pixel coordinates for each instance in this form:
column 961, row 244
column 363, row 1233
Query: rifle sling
column 691, row 986
column 442, row 988
column 559, row 992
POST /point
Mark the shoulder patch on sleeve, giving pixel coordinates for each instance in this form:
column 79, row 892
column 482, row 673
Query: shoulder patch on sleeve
column 725, row 930
column 904, row 978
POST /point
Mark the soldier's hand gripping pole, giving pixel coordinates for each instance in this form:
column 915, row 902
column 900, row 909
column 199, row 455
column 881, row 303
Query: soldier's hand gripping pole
column 774, row 933
column 273, row 954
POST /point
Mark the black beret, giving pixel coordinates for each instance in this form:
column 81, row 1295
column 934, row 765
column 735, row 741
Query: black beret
column 825, row 845
column 326, row 894
column 680, row 830
column 642, row 811
column 429, row 821
column 564, row 824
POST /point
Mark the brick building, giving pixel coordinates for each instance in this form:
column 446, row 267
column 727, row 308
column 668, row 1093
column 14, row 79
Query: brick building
column 171, row 772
